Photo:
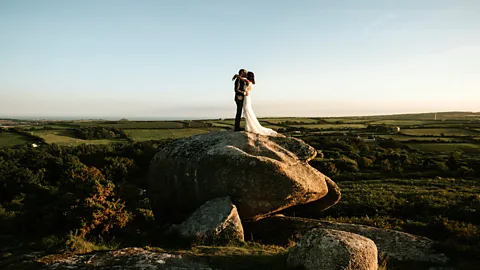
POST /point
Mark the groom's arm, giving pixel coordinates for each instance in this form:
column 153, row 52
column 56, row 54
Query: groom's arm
column 237, row 87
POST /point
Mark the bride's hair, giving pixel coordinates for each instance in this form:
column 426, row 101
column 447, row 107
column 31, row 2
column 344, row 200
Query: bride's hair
column 251, row 77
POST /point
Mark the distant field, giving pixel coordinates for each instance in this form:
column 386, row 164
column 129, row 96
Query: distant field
column 348, row 120
column 197, row 124
column 447, row 124
column 332, row 126
column 330, row 131
column 160, row 134
column 12, row 139
column 439, row 132
column 409, row 138
column 222, row 125
column 135, row 124
column 406, row 122
column 40, row 127
column 66, row 137
column 429, row 116
column 281, row 120
column 468, row 148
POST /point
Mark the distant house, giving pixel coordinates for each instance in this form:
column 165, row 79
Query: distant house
column 34, row 145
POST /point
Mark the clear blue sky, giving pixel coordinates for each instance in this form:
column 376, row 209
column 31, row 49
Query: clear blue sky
column 115, row 58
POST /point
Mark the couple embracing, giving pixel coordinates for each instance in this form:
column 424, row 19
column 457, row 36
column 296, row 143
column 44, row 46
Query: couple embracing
column 243, row 86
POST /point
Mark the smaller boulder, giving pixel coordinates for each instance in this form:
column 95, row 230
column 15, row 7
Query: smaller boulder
column 216, row 221
column 333, row 250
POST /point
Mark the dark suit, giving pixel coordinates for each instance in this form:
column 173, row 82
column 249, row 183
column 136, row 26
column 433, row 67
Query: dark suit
column 239, row 87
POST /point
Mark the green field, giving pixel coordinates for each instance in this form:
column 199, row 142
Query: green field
column 197, row 124
column 160, row 134
column 332, row 126
column 439, row 132
column 429, row 116
column 66, row 137
column 409, row 138
column 222, row 125
column 330, row 132
column 134, row 124
column 293, row 119
column 12, row 139
column 405, row 122
column 353, row 120
column 467, row 148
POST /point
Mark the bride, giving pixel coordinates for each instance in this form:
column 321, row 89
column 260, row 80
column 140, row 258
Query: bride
column 251, row 121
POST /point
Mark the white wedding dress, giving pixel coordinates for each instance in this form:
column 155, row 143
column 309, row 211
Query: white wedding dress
column 251, row 121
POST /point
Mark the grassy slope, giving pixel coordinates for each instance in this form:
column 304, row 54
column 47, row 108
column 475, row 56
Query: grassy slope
column 12, row 139
column 439, row 132
column 159, row 134
column 468, row 148
column 409, row 138
column 66, row 137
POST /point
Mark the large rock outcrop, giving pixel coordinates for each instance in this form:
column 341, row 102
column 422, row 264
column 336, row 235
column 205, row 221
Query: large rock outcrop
column 324, row 249
column 261, row 174
column 215, row 222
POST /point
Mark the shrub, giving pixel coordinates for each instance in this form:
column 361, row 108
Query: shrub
column 96, row 206
column 326, row 167
column 365, row 162
column 346, row 164
column 385, row 165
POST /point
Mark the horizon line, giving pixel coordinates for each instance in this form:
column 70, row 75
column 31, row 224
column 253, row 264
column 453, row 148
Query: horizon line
column 172, row 118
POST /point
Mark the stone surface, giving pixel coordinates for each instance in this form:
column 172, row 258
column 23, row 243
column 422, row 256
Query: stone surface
column 324, row 249
column 127, row 258
column 395, row 245
column 216, row 221
column 261, row 174
column 313, row 209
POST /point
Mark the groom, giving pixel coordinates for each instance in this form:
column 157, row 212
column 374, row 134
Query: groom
column 239, row 96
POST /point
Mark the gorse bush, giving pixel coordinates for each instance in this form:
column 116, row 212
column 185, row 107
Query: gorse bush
column 96, row 207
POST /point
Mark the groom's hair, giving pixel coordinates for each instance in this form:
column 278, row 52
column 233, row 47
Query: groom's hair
column 242, row 71
column 251, row 77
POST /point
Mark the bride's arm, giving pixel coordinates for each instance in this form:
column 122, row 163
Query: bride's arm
column 236, row 76
column 248, row 88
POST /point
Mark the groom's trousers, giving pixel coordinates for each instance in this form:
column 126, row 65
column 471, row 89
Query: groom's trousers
column 238, row 116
